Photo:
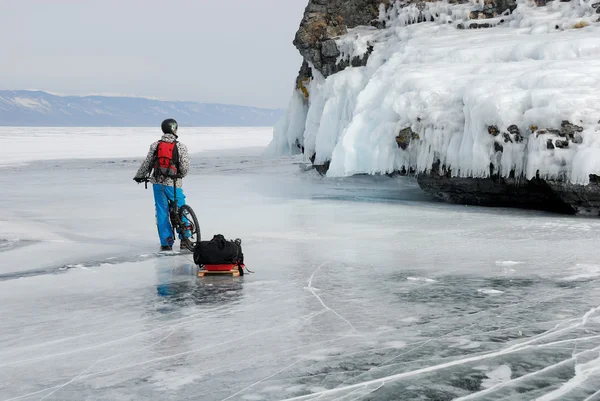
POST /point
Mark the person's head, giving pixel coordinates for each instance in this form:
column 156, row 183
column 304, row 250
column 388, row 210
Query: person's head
column 169, row 126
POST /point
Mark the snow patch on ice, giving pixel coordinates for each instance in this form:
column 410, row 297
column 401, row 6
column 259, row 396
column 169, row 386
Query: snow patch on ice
column 583, row 271
column 173, row 381
column 253, row 397
column 508, row 263
column 273, row 388
column 448, row 85
column 490, row 291
column 423, row 279
column 395, row 344
column 499, row 375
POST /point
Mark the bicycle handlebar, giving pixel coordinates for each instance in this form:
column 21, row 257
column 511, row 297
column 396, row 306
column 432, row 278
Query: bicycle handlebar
column 146, row 180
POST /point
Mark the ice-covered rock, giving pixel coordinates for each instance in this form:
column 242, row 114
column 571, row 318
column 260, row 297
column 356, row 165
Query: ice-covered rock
column 487, row 102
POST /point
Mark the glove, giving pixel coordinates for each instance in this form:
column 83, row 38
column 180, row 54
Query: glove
column 138, row 179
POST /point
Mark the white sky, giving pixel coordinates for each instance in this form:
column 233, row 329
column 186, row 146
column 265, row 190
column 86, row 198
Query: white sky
column 219, row 51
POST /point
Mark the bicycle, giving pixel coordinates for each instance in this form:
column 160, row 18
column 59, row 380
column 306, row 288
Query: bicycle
column 183, row 220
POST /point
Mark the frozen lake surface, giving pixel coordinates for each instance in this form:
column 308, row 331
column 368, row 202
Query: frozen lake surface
column 363, row 288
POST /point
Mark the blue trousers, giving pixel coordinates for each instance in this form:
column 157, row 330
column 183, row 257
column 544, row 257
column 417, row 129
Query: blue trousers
column 163, row 224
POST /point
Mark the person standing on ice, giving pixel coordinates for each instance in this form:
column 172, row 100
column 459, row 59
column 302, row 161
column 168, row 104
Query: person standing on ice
column 169, row 159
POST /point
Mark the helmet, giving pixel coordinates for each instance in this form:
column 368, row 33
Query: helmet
column 169, row 126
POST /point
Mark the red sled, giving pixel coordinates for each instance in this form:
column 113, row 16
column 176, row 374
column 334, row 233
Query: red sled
column 228, row 269
column 220, row 268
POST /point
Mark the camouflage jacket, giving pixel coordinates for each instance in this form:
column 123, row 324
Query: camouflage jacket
column 148, row 164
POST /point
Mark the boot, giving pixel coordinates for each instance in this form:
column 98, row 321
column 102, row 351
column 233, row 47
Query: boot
column 166, row 248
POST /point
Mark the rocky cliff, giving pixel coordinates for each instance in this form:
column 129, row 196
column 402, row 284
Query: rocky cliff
column 326, row 20
column 489, row 102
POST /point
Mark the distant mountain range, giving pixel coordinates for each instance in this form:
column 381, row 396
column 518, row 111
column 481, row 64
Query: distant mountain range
column 37, row 108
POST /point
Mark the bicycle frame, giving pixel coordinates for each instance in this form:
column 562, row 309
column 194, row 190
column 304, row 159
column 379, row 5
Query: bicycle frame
column 174, row 209
column 175, row 194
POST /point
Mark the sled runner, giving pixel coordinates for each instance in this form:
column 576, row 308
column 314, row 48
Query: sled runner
column 221, row 270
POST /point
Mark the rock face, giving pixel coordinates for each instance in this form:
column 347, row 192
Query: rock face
column 327, row 19
column 552, row 196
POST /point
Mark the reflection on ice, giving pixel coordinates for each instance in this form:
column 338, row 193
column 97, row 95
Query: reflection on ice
column 180, row 286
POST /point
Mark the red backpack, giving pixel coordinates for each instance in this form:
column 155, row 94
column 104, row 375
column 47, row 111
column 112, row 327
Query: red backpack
column 167, row 159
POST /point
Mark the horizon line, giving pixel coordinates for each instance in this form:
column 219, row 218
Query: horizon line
column 132, row 96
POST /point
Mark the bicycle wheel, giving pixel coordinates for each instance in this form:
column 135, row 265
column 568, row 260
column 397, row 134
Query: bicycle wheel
column 189, row 225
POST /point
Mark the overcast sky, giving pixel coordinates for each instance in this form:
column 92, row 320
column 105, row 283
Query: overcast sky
column 219, row 51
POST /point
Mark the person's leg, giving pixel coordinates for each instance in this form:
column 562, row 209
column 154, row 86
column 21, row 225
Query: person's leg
column 180, row 202
column 163, row 224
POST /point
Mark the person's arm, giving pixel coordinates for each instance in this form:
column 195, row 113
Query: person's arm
column 148, row 164
column 184, row 159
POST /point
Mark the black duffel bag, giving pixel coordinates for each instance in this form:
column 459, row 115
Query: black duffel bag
column 219, row 251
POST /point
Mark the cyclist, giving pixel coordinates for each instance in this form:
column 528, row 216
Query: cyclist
column 170, row 161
